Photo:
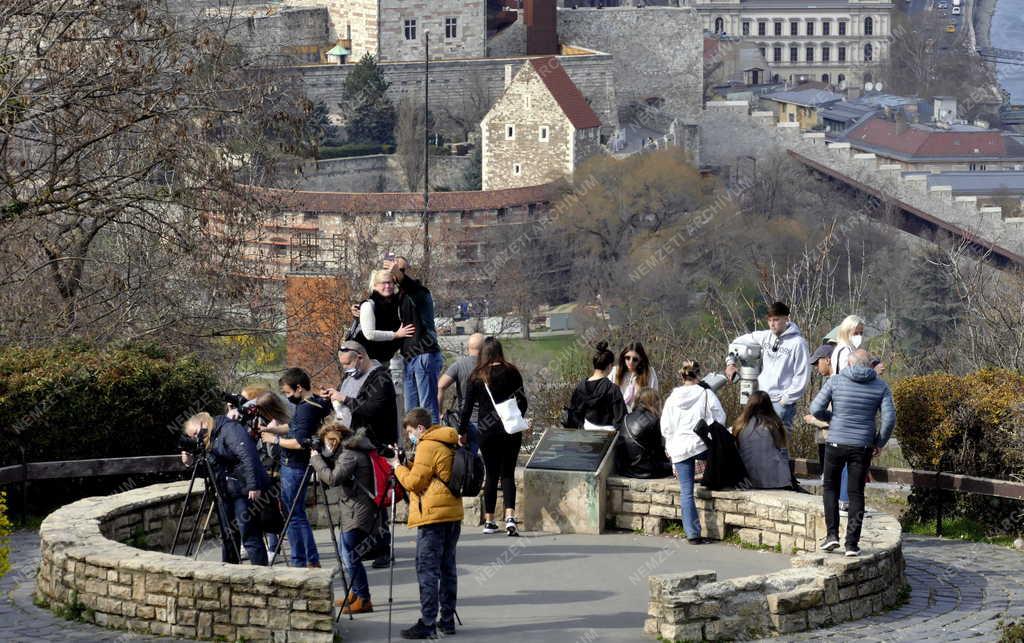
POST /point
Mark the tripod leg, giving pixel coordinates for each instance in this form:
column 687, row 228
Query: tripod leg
column 196, row 525
column 288, row 519
column 184, row 508
column 202, row 534
column 225, row 525
column 391, row 553
column 337, row 553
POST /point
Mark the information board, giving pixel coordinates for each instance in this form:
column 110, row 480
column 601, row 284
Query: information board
column 571, row 450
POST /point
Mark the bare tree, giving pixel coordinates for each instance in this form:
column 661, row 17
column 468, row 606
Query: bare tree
column 124, row 133
column 410, row 137
column 473, row 104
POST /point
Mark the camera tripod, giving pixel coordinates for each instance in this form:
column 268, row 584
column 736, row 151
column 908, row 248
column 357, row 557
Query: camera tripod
column 306, row 477
column 227, row 533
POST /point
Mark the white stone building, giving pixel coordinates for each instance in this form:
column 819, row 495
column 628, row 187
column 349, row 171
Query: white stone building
column 841, row 42
column 393, row 30
column 540, row 130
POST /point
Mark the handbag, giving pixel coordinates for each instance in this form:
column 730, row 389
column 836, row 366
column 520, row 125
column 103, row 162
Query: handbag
column 508, row 411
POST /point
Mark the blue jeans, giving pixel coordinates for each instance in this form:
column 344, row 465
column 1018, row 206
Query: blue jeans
column 435, row 569
column 844, row 486
column 473, row 438
column 684, row 471
column 350, row 553
column 300, row 535
column 420, row 379
column 786, row 413
column 241, row 512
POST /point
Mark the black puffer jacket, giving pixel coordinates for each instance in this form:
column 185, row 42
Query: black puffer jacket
column 375, row 408
column 599, row 401
column 351, row 466
column 385, row 313
column 640, row 452
column 235, row 459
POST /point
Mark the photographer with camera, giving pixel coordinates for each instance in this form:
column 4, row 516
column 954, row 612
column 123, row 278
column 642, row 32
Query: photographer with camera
column 239, row 475
column 366, row 398
column 293, row 439
column 343, row 464
column 437, row 515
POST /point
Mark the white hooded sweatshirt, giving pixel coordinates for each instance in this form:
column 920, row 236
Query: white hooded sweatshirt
column 684, row 409
column 785, row 370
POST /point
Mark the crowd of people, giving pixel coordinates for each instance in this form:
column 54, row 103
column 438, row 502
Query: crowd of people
column 266, row 453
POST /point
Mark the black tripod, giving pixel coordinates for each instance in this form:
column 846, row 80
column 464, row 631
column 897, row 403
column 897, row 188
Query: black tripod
column 306, row 477
column 227, row 533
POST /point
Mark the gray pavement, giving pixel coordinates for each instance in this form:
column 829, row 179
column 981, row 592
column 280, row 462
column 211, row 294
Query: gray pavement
column 593, row 589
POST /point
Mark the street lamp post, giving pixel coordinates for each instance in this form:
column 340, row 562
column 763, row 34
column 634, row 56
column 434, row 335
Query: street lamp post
column 426, row 153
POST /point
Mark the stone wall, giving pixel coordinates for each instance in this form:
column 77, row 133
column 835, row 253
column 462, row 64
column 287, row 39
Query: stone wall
column 152, row 592
column 672, row 69
column 374, row 173
column 470, row 35
column 458, row 86
column 819, row 590
column 510, row 41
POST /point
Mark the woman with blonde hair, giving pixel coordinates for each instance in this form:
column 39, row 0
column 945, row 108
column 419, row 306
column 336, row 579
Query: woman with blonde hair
column 849, row 338
column 344, row 466
column 379, row 327
column 686, row 406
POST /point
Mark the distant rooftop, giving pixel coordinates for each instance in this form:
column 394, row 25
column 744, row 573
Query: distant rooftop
column 806, row 97
column 980, row 183
column 913, row 142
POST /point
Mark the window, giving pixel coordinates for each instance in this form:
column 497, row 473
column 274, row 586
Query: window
column 777, row 54
column 510, row 132
column 528, row 100
column 764, row 54
column 719, row 25
column 794, row 54
column 869, row 26
column 545, row 134
column 869, row 52
column 792, row 117
column 826, row 53
column 517, row 169
column 410, row 30
column 826, row 28
column 977, row 167
column 842, row 54
column 841, row 79
column 824, row 78
column 810, row 28
column 809, row 54
column 451, row 28
column 794, row 28
column 842, row 27
column 778, row 28
column 762, row 28
column 746, row 27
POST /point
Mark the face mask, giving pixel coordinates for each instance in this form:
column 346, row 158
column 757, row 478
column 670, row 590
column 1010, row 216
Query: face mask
column 413, row 439
column 328, row 451
column 351, row 372
column 857, row 340
column 295, row 399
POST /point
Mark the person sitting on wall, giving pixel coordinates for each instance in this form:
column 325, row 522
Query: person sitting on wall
column 640, row 451
column 762, row 444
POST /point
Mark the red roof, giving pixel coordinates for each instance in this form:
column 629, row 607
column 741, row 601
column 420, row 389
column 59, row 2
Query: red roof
column 568, row 96
column 358, row 202
column 917, row 142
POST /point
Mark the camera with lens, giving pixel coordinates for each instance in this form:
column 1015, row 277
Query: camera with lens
column 248, row 414
column 193, row 446
column 315, row 443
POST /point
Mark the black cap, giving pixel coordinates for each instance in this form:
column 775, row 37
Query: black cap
column 823, row 352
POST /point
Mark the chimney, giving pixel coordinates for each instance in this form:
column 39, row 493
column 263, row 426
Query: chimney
column 541, row 18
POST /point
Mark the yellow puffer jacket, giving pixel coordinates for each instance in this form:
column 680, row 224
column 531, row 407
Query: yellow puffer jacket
column 430, row 500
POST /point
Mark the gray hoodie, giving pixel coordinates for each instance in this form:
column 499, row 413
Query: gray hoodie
column 856, row 395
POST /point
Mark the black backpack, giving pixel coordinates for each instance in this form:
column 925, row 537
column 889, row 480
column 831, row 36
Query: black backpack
column 467, row 473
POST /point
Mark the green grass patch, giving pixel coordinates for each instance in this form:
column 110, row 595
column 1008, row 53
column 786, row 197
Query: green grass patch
column 1011, row 632
column 960, row 529
column 539, row 352
column 734, row 539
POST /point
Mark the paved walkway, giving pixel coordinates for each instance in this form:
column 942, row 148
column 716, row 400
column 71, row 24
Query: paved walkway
column 579, row 588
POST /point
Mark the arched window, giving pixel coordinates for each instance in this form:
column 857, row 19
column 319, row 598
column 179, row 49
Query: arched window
column 868, row 77
column 869, row 26
column 841, row 78
column 869, row 52
column 824, row 78
column 719, row 25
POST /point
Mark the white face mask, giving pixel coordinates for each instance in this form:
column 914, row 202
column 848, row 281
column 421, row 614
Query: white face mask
column 857, row 340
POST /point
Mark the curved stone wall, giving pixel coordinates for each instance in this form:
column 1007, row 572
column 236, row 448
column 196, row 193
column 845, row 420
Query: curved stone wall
column 818, row 590
column 84, row 565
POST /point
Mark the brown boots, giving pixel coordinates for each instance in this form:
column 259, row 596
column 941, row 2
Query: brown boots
column 354, row 605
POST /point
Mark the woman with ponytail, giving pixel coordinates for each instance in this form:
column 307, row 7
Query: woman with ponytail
column 597, row 403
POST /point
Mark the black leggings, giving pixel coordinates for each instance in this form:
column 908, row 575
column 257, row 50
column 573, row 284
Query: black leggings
column 500, row 452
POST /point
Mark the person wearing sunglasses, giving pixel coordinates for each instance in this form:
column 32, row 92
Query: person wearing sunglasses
column 785, row 362
column 633, row 373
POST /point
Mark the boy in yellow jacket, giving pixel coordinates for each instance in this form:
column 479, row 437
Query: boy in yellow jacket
column 437, row 515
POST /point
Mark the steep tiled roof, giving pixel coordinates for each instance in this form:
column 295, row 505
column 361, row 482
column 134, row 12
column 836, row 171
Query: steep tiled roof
column 916, row 142
column 356, row 202
column 568, row 96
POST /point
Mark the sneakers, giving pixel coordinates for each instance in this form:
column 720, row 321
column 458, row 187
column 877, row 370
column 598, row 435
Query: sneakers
column 829, row 544
column 490, row 527
column 358, row 606
column 700, row 540
column 510, row 526
column 446, row 627
column 419, row 631
column 852, row 552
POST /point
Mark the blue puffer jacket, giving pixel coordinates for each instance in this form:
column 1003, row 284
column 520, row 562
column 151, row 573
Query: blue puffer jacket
column 856, row 395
